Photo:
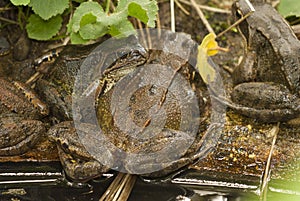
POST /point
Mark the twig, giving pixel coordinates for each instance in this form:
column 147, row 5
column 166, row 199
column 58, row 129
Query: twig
column 234, row 24
column 112, row 186
column 120, row 188
column 148, row 37
column 158, row 25
column 146, row 41
column 208, row 8
column 163, row 98
column 172, row 15
column 140, row 26
column 33, row 78
column 181, row 7
column 8, row 20
column 164, row 95
column 6, row 9
column 128, row 188
column 251, row 10
column 266, row 176
column 202, row 17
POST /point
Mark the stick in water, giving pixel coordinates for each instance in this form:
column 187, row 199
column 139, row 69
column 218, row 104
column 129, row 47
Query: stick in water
column 120, row 188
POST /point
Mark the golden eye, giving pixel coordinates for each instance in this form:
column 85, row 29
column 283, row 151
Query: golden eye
column 236, row 11
column 239, row 13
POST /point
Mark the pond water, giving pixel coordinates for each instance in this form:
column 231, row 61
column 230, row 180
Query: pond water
column 45, row 181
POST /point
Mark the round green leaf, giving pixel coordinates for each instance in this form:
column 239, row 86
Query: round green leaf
column 93, row 30
column 90, row 28
column 135, row 10
column 145, row 10
column 88, row 19
column 90, row 7
column 79, row 1
column 40, row 29
column 49, row 8
column 77, row 39
column 289, row 7
column 20, row 2
column 123, row 29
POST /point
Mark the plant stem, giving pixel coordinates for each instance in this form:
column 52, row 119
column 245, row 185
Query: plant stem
column 202, row 17
column 107, row 6
column 20, row 15
column 8, row 20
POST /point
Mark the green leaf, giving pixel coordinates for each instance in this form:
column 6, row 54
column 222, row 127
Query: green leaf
column 20, row 2
column 143, row 10
column 93, row 30
column 85, row 8
column 135, row 10
column 115, row 18
column 49, row 8
column 289, row 7
column 77, row 39
column 88, row 19
column 90, row 22
column 123, row 29
column 40, row 29
column 79, row 1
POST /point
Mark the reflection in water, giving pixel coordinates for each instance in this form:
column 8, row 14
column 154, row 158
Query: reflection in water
column 45, row 181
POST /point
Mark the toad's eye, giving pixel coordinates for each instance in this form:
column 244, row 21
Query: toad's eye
column 238, row 13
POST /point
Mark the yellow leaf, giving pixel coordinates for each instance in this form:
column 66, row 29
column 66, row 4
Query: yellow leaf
column 208, row 47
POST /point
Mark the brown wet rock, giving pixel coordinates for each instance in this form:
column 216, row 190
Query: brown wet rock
column 243, row 149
